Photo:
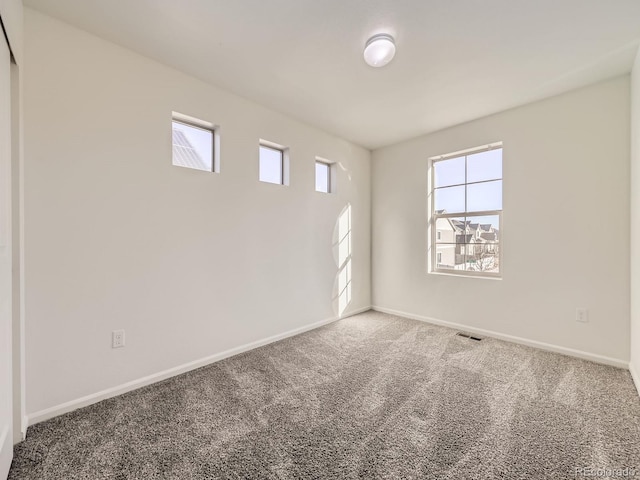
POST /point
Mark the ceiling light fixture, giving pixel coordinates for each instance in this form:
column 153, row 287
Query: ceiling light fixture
column 379, row 50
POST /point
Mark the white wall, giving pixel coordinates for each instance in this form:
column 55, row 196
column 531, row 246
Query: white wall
column 188, row 263
column 565, row 224
column 635, row 221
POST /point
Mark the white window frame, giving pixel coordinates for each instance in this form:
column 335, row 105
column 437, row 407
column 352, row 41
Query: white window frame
column 331, row 174
column 284, row 161
column 206, row 126
column 432, row 264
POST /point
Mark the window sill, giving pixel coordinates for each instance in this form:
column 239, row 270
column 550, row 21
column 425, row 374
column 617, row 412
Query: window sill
column 466, row 275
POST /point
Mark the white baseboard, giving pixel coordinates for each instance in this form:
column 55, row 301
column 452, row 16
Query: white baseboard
column 510, row 338
column 635, row 376
column 46, row 414
column 356, row 312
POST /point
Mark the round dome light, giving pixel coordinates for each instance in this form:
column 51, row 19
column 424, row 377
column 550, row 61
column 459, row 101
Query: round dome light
column 379, row 50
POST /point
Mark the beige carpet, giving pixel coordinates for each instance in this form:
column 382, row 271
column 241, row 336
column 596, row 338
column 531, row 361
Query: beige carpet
column 371, row 396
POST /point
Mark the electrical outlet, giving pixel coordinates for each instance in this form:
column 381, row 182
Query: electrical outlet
column 582, row 315
column 117, row 339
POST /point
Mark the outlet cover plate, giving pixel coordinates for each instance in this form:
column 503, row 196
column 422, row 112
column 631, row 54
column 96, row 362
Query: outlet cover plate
column 117, row 339
column 582, row 315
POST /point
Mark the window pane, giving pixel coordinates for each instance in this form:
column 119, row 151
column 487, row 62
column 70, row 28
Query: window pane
column 322, row 177
column 484, row 166
column 448, row 228
column 483, row 243
column 483, row 257
column 446, row 256
column 449, row 199
column 270, row 165
column 484, row 196
column 449, row 172
column 484, row 228
column 192, row 147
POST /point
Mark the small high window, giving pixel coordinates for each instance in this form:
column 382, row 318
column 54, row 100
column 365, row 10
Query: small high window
column 273, row 163
column 323, row 177
column 193, row 143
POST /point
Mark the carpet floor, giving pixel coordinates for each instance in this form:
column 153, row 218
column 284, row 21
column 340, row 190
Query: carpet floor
column 371, row 396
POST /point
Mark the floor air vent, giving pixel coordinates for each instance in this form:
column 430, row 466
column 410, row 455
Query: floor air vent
column 466, row 335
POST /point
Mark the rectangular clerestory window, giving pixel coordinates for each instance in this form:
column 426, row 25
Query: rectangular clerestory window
column 273, row 163
column 195, row 143
column 325, row 176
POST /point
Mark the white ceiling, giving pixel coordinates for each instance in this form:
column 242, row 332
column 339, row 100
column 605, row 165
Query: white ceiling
column 456, row 60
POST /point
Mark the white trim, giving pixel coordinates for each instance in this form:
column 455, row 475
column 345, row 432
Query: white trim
column 6, row 452
column 356, row 312
column 193, row 121
column 467, row 151
column 634, row 376
column 47, row 413
column 615, row 362
column 23, row 303
column 23, row 426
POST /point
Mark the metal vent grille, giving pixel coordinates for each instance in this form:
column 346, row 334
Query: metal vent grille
column 470, row 337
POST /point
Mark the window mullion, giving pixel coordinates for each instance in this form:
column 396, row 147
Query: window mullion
column 466, row 208
column 466, row 172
